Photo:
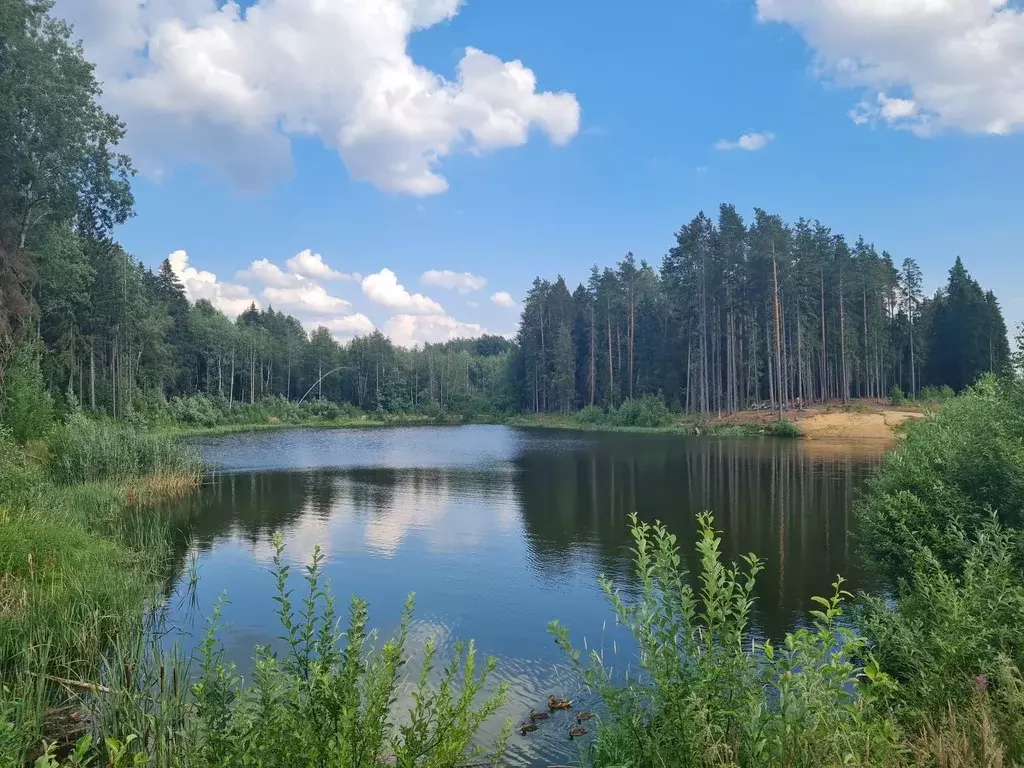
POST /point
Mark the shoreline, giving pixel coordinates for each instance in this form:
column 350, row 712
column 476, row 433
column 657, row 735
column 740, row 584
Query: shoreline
column 859, row 421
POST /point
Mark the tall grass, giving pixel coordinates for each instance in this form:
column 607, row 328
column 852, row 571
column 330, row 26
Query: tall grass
column 77, row 563
column 85, row 450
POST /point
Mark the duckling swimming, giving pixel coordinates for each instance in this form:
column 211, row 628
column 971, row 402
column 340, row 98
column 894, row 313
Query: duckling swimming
column 554, row 703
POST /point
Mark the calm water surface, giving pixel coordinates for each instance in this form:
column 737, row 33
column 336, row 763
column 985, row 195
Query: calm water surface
column 500, row 530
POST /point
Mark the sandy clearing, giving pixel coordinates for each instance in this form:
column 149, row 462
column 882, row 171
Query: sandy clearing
column 853, row 425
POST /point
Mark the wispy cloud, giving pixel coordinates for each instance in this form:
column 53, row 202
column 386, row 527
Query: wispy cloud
column 749, row 142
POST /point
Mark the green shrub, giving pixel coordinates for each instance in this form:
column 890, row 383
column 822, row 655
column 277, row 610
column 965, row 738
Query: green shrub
column 592, row 414
column 933, row 394
column 785, row 428
column 646, row 412
column 897, row 397
column 941, row 485
column 706, row 694
column 942, row 633
column 26, row 408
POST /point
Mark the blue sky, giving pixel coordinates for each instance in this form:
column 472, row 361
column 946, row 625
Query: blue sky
column 865, row 137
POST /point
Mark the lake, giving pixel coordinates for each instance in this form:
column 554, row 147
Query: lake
column 499, row 530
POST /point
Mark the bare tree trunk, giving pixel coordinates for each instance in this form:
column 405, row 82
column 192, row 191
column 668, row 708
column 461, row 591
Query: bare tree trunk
column 593, row 360
column 689, row 391
column 92, row 374
column 866, row 384
column 799, row 357
column 768, row 355
column 611, row 373
column 778, row 331
column 824, row 347
column 631, row 331
column 729, row 373
column 913, row 373
column 544, row 366
column 842, row 342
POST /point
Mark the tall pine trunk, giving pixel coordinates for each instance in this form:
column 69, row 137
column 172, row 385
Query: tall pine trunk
column 778, row 333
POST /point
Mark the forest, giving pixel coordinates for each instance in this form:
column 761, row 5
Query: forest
column 737, row 315
column 743, row 316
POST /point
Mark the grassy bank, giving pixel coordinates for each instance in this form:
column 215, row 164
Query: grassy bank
column 203, row 415
column 85, row 680
column 80, row 553
column 675, row 425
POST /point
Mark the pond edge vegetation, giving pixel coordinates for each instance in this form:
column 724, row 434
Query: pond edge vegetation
column 885, row 686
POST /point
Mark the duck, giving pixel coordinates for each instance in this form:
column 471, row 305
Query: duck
column 526, row 728
column 554, row 703
column 574, row 732
column 535, row 716
column 580, row 717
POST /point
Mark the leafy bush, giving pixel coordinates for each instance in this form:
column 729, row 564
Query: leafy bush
column 897, row 397
column 785, row 428
column 26, row 408
column 944, row 481
column 645, row 412
column 592, row 414
column 943, row 635
column 932, row 394
column 706, row 694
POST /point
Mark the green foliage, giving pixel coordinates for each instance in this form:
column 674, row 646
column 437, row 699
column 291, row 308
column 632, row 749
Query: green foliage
column 967, row 333
column 936, row 395
column 942, row 635
column 85, row 450
column 940, row 487
column 592, row 414
column 943, row 521
column 706, row 694
column 26, row 408
column 644, row 412
column 897, row 396
column 330, row 699
column 785, row 428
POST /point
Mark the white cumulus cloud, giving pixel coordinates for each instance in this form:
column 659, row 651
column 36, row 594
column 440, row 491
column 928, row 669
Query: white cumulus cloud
column 312, row 265
column 345, row 328
column 957, row 63
column 410, row 330
column 750, row 142
column 229, row 298
column 309, row 298
column 463, row 282
column 384, row 289
column 268, row 273
column 504, row 299
column 227, row 86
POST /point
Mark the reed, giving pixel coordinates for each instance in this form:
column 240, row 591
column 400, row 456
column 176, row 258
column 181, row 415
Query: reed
column 87, row 451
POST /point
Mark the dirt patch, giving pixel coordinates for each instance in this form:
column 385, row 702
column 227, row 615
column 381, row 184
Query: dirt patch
column 854, row 425
column 860, row 420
